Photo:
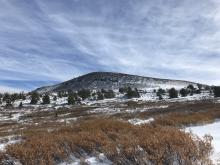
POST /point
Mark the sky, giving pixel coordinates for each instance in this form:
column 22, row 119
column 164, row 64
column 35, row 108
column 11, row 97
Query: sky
column 44, row 42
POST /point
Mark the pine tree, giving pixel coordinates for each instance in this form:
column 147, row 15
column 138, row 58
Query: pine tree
column 173, row 93
column 72, row 98
column 132, row 93
column 100, row 96
column 46, row 99
column 34, row 98
column 216, row 91
column 84, row 93
column 109, row 94
column 183, row 92
column 20, row 105
column 55, row 98
column 160, row 92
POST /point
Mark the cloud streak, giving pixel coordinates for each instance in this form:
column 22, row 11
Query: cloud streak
column 57, row 40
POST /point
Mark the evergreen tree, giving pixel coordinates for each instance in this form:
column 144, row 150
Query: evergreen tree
column 109, row 94
column 55, row 98
column 34, row 98
column 22, row 96
column 173, row 93
column 14, row 97
column 183, row 92
column 100, row 96
column 46, row 99
column 160, row 97
column 191, row 87
column 122, row 90
column 84, row 93
column 160, row 92
column 132, row 93
column 6, row 97
column 216, row 91
column 8, row 103
column 20, row 105
column 71, row 99
column 199, row 86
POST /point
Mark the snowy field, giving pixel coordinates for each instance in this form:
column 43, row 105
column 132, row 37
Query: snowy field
column 213, row 130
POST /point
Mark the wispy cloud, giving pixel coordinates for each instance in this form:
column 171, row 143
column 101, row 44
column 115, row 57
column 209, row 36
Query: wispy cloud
column 58, row 40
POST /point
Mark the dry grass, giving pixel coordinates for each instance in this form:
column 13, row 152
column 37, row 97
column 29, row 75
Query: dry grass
column 180, row 119
column 121, row 142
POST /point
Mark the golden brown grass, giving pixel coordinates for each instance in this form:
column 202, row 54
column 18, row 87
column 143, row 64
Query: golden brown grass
column 187, row 118
column 121, row 142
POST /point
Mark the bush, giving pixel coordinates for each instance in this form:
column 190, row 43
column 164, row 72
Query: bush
column 160, row 97
column 54, row 98
column 34, row 98
column 72, row 98
column 46, row 99
column 62, row 94
column 160, row 92
column 122, row 90
column 100, row 96
column 137, row 144
column 183, row 92
column 108, row 94
column 173, row 93
column 84, row 93
column 191, row 87
column 6, row 97
column 132, row 93
column 20, row 105
column 216, row 91
column 22, row 96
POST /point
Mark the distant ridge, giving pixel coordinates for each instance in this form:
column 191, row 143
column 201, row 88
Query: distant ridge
column 111, row 80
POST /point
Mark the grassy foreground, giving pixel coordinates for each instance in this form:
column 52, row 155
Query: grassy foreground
column 120, row 141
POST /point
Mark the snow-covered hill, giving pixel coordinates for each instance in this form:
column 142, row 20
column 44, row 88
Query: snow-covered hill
column 109, row 80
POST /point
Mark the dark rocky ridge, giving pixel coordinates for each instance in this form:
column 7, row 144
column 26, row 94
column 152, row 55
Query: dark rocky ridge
column 110, row 80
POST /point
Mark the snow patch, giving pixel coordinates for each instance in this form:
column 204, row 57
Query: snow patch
column 90, row 160
column 4, row 141
column 136, row 121
column 210, row 129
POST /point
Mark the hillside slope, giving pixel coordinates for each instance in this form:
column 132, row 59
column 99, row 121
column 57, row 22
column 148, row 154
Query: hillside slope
column 109, row 80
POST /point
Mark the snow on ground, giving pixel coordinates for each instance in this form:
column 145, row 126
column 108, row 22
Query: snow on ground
column 213, row 130
column 136, row 121
column 90, row 160
column 4, row 141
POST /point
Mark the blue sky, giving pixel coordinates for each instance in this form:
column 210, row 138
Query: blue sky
column 47, row 41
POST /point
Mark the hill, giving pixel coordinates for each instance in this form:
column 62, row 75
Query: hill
column 114, row 81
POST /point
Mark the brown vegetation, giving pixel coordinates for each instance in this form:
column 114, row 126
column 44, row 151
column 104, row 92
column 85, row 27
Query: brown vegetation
column 180, row 119
column 121, row 142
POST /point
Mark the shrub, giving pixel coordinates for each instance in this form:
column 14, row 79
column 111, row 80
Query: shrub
column 84, row 93
column 183, row 92
column 72, row 98
column 6, row 97
column 191, row 87
column 122, row 90
column 199, row 86
column 132, row 93
column 121, row 142
column 46, row 99
column 22, row 96
column 34, row 98
column 20, row 105
column 109, row 94
column 100, row 96
column 160, row 92
column 160, row 97
column 54, row 98
column 173, row 93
